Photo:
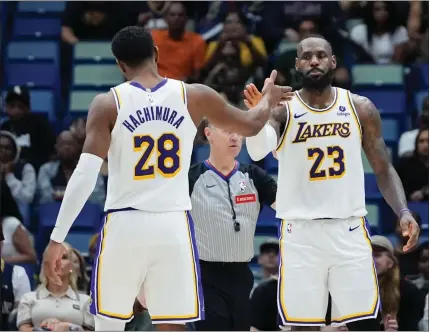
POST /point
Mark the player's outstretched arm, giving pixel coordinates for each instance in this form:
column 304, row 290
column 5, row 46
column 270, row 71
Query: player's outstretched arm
column 101, row 118
column 206, row 102
column 389, row 182
column 268, row 138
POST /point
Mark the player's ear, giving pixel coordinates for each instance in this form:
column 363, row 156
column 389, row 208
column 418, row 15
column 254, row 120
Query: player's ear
column 207, row 132
column 333, row 62
column 120, row 65
column 156, row 54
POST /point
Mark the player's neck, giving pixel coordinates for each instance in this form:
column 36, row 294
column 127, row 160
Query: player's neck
column 223, row 164
column 147, row 76
column 320, row 99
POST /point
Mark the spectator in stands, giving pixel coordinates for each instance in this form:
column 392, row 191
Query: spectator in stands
column 268, row 260
column 421, row 280
column 381, row 35
column 286, row 62
column 418, row 28
column 54, row 175
column 82, row 280
column 252, row 50
column 17, row 246
column 264, row 312
column 33, row 131
column 408, row 139
column 400, row 299
column 19, row 175
column 56, row 307
column 15, row 283
column 414, row 170
column 77, row 128
column 181, row 53
column 151, row 14
column 228, row 76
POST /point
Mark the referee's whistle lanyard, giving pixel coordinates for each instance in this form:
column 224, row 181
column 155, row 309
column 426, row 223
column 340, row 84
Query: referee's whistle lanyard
column 236, row 224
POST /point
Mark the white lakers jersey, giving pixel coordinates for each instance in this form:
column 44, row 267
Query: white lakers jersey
column 150, row 152
column 320, row 168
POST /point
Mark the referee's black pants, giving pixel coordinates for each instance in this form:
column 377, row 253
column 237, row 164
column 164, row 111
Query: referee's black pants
column 226, row 291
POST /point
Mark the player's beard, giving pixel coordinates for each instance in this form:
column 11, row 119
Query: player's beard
column 316, row 84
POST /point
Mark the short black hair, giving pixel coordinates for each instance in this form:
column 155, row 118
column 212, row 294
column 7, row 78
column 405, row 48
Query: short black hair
column 133, row 45
column 313, row 35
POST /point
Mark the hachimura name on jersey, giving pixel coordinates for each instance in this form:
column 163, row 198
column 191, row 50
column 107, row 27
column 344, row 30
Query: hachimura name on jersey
column 320, row 167
column 151, row 147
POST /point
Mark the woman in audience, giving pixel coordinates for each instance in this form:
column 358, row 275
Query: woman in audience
column 381, row 35
column 56, row 307
column 82, row 281
column 17, row 246
column 414, row 170
column 401, row 302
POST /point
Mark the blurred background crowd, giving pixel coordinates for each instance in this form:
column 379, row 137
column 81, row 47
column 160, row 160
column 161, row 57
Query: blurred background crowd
column 55, row 57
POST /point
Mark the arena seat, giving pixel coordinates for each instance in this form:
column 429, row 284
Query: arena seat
column 422, row 208
column 200, row 153
column 390, row 129
column 100, row 75
column 373, row 215
column 35, row 75
column 387, row 102
column 93, row 52
column 267, row 216
column 366, row 165
column 41, row 7
column 370, row 186
column 419, row 99
column 377, row 75
column 80, row 241
column 42, row 101
column 271, row 164
column 32, row 51
column 80, row 100
column 424, row 70
column 30, row 28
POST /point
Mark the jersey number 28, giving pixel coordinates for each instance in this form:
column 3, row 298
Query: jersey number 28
column 168, row 160
column 334, row 152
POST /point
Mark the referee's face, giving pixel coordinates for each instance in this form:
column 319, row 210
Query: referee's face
column 224, row 142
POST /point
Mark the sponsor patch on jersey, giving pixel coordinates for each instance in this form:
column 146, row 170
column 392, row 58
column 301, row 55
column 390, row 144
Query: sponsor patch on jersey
column 342, row 112
column 247, row 198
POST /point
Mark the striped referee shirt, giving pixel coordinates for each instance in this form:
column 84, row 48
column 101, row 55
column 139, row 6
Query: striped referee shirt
column 219, row 201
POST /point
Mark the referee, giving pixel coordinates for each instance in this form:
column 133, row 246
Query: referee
column 226, row 200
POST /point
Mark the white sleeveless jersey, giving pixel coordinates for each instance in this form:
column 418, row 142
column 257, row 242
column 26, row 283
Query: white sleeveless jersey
column 320, row 168
column 150, row 152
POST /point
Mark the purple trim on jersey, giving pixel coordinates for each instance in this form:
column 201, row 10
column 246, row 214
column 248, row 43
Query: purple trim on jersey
column 120, row 210
column 155, row 88
column 200, row 298
column 222, row 176
column 94, row 286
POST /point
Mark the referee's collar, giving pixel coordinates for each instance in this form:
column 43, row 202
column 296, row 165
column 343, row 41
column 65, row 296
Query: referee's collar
column 222, row 176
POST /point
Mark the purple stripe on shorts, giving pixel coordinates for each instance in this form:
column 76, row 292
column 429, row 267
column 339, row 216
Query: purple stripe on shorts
column 200, row 298
column 94, row 274
column 280, row 311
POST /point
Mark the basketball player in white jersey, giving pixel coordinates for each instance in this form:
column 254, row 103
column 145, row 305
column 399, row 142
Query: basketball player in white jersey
column 146, row 128
column 325, row 246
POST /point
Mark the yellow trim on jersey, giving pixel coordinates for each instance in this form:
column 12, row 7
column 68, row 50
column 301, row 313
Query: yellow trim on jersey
column 183, row 93
column 196, row 313
column 354, row 111
column 98, row 287
column 375, row 282
column 287, row 126
column 117, row 98
column 281, row 287
column 324, row 110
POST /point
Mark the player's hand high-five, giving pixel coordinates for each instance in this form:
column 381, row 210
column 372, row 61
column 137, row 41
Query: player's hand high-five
column 275, row 94
column 253, row 96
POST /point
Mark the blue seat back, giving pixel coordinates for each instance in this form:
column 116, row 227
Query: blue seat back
column 39, row 75
column 387, row 102
column 32, row 51
column 41, row 7
column 36, row 28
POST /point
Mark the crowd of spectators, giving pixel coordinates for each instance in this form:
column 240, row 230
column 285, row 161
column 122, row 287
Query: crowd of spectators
column 223, row 44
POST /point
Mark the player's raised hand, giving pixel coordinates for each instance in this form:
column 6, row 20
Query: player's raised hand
column 253, row 96
column 52, row 261
column 410, row 229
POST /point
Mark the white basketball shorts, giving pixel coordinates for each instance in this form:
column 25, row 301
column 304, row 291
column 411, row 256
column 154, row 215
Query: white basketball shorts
column 153, row 251
column 319, row 257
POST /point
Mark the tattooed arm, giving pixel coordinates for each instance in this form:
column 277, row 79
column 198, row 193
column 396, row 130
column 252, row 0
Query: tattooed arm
column 388, row 181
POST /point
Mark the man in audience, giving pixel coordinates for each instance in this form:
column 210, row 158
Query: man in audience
column 421, row 280
column 268, row 260
column 33, row 131
column 181, row 53
column 54, row 175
